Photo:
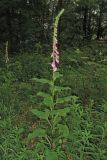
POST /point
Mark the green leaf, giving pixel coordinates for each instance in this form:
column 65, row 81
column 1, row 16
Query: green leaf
column 48, row 101
column 44, row 95
column 40, row 114
column 63, row 100
column 60, row 89
column 63, row 130
column 57, row 119
column 51, row 155
column 37, row 133
column 42, row 80
column 61, row 112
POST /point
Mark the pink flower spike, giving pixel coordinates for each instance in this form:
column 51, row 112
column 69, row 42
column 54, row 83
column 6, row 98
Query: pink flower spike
column 55, row 53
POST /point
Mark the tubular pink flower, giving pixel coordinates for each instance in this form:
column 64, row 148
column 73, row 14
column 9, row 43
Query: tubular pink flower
column 57, row 58
column 54, row 66
column 52, row 55
column 55, row 55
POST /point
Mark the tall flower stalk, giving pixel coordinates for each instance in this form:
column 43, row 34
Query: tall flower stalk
column 55, row 52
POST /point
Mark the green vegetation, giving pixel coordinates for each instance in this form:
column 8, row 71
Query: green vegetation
column 51, row 111
column 87, row 122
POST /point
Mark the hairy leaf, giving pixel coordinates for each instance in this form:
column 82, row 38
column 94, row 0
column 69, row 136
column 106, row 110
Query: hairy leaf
column 41, row 114
column 51, row 155
column 42, row 80
column 63, row 100
column 59, row 89
column 61, row 112
column 37, row 133
column 43, row 94
column 48, row 101
column 63, row 130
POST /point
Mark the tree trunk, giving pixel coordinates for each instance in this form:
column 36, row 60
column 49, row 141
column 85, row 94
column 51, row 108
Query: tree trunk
column 9, row 30
column 89, row 25
column 99, row 31
column 85, row 20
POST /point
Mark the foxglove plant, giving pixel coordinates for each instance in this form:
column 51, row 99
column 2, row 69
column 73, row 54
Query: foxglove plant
column 52, row 132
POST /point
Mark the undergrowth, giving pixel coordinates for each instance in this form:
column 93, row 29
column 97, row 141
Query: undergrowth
column 54, row 116
column 86, row 120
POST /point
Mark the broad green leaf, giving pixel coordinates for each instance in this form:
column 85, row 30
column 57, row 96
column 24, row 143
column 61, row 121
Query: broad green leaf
column 56, row 120
column 63, row 100
column 44, row 95
column 59, row 89
column 51, row 155
column 42, row 80
column 48, row 101
column 40, row 114
column 61, row 112
column 63, row 130
column 37, row 133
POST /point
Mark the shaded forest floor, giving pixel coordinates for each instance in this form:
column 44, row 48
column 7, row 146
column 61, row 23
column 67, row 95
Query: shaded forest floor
column 84, row 70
